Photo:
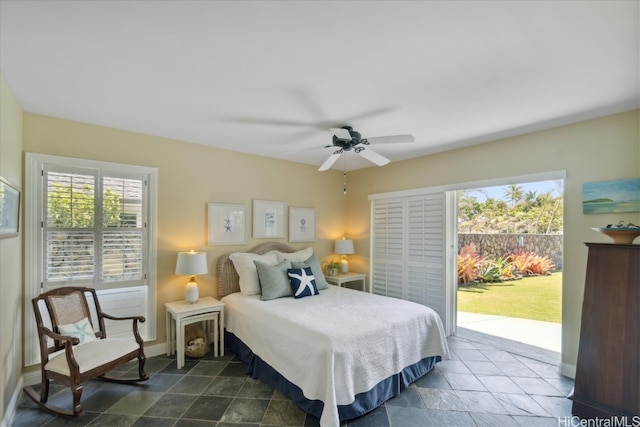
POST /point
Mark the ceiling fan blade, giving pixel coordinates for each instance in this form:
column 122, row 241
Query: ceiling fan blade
column 369, row 114
column 390, row 139
column 372, row 156
column 341, row 133
column 331, row 160
column 270, row 122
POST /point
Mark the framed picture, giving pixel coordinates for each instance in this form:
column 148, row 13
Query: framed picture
column 9, row 209
column 302, row 225
column 268, row 219
column 611, row 196
column 227, row 224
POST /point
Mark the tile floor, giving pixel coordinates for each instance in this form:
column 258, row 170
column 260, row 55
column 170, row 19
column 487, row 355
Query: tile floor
column 479, row 386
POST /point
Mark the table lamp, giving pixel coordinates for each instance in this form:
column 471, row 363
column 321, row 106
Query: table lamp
column 191, row 264
column 344, row 247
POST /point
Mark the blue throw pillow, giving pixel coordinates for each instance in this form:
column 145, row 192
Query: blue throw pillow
column 303, row 284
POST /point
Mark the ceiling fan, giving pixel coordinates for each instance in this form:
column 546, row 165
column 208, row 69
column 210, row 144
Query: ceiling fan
column 347, row 139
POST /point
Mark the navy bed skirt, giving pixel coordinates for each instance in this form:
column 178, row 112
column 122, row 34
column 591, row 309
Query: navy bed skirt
column 363, row 403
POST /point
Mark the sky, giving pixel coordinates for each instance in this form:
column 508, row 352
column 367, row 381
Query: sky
column 540, row 187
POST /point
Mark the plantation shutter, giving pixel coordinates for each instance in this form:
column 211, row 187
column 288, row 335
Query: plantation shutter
column 425, row 251
column 68, row 227
column 409, row 249
column 93, row 228
column 123, row 234
column 387, row 243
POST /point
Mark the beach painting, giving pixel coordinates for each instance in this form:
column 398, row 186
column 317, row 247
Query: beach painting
column 611, row 196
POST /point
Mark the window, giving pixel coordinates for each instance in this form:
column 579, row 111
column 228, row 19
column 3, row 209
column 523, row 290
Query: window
column 94, row 228
column 92, row 224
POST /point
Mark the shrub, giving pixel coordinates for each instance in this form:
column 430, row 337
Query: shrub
column 473, row 268
column 469, row 263
column 530, row 264
column 490, row 272
column 497, row 270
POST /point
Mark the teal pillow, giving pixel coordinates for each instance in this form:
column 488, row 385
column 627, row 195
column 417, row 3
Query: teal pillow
column 316, row 268
column 273, row 279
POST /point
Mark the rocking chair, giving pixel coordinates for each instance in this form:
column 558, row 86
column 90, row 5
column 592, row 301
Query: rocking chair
column 71, row 352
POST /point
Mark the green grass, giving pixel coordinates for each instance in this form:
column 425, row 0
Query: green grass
column 536, row 298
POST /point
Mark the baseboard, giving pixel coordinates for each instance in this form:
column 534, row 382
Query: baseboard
column 568, row 370
column 12, row 407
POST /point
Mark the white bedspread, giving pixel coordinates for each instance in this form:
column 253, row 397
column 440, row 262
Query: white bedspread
column 336, row 344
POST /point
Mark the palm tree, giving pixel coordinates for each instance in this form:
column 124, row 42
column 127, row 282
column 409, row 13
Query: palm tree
column 514, row 194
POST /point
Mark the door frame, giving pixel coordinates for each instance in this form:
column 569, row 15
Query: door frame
column 452, row 286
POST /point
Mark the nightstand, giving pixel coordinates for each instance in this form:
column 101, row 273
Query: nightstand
column 181, row 314
column 340, row 279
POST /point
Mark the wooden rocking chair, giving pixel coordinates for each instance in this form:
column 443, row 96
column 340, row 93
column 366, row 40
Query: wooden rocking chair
column 71, row 352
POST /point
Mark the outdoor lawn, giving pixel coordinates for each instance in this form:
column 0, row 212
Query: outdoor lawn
column 536, row 298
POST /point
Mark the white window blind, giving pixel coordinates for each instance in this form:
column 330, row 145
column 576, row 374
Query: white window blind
column 409, row 249
column 91, row 223
column 94, row 227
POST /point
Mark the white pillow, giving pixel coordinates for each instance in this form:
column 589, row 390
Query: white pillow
column 81, row 329
column 298, row 256
column 243, row 262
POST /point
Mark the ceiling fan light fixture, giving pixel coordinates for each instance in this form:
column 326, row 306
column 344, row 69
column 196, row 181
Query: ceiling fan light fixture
column 347, row 139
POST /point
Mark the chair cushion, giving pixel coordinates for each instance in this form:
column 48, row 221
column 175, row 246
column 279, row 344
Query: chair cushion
column 92, row 354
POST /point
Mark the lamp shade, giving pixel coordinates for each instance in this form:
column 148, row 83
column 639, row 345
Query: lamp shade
column 191, row 263
column 344, row 247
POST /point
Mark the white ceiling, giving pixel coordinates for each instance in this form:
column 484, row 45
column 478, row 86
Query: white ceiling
column 271, row 77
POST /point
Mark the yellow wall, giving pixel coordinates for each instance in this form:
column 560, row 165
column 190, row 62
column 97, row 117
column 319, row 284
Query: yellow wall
column 596, row 150
column 10, row 253
column 189, row 176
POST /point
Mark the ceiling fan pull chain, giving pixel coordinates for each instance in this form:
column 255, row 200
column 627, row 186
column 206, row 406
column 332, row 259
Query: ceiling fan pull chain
column 344, row 175
column 344, row 189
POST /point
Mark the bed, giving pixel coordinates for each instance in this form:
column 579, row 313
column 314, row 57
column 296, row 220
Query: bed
column 337, row 354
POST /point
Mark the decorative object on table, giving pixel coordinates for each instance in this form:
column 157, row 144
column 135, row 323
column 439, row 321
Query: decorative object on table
column 621, row 233
column 611, row 196
column 302, row 225
column 227, row 224
column 9, row 209
column 191, row 264
column 333, row 268
column 344, row 247
column 268, row 219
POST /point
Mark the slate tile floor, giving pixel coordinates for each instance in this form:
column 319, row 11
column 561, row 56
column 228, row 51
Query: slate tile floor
column 478, row 386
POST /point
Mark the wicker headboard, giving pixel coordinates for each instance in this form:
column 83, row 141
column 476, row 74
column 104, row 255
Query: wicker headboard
column 228, row 280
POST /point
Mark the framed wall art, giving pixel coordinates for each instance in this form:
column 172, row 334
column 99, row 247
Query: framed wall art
column 9, row 209
column 227, row 224
column 268, row 219
column 611, row 196
column 302, row 225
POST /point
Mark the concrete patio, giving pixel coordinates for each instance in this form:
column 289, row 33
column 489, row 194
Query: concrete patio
column 541, row 340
